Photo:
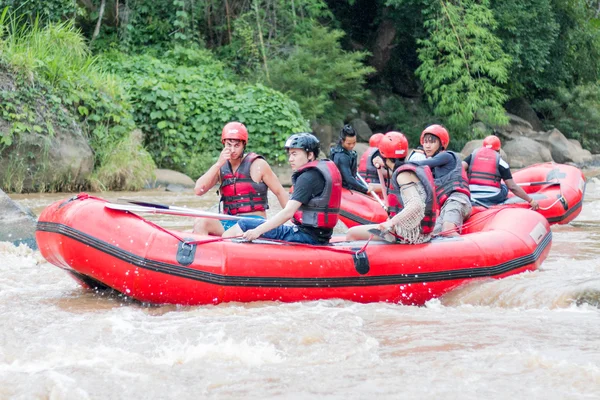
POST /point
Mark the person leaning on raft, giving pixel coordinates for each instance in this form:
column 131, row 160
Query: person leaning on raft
column 412, row 205
column 245, row 180
column 451, row 182
column 315, row 202
column 345, row 158
column 486, row 171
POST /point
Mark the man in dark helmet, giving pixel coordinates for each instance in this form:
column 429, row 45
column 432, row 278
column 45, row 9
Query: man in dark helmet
column 313, row 206
column 346, row 159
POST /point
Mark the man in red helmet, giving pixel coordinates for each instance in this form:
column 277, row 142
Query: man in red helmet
column 486, row 170
column 412, row 205
column 244, row 182
column 452, row 186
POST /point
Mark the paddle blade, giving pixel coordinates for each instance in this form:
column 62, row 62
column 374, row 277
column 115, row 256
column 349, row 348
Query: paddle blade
column 385, row 235
column 145, row 203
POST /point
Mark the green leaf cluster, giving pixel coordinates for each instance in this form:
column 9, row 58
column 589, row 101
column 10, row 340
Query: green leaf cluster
column 462, row 63
column 182, row 109
column 324, row 79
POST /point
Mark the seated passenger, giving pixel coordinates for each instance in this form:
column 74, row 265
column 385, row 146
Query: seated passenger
column 366, row 169
column 412, row 204
column 345, row 158
column 313, row 206
column 245, row 180
column 452, row 187
column 486, row 170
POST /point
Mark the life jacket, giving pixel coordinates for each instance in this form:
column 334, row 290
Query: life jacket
column 431, row 205
column 366, row 169
column 338, row 149
column 484, row 168
column 455, row 181
column 239, row 193
column 322, row 211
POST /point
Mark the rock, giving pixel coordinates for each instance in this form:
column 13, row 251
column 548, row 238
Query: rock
column 523, row 151
column 562, row 149
column 327, row 134
column 521, row 108
column 17, row 223
column 360, row 148
column 163, row 178
column 39, row 160
column 363, row 132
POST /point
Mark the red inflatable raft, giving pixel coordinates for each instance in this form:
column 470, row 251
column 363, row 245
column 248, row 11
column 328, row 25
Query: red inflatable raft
column 105, row 248
column 557, row 188
column 360, row 209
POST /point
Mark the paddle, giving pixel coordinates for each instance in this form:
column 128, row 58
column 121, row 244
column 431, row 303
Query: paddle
column 155, row 205
column 538, row 183
column 383, row 188
column 186, row 212
column 480, row 203
column 385, row 235
column 372, row 192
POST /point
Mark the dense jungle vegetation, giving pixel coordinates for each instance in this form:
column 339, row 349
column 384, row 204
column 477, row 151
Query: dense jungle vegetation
column 178, row 70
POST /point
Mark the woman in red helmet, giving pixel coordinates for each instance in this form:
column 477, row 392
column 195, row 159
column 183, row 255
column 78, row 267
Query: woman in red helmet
column 452, row 186
column 486, row 170
column 412, row 202
column 244, row 182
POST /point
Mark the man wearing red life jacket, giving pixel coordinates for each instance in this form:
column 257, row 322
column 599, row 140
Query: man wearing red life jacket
column 314, row 205
column 452, row 187
column 412, row 202
column 486, row 171
column 366, row 169
column 244, row 182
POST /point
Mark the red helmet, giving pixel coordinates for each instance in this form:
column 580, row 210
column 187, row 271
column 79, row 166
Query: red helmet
column 375, row 139
column 393, row 145
column 438, row 131
column 236, row 131
column 492, row 142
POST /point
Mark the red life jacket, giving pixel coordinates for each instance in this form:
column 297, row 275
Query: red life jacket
column 431, row 205
column 455, row 181
column 366, row 169
column 239, row 193
column 484, row 168
column 322, row 211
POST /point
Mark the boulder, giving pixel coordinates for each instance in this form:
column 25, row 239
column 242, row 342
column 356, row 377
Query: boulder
column 284, row 173
column 17, row 223
column 523, row 151
column 58, row 157
column 170, row 180
column 327, row 134
column 562, row 149
column 363, row 131
column 522, row 109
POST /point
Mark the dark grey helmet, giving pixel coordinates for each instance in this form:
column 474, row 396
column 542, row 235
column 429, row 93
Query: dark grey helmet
column 305, row 141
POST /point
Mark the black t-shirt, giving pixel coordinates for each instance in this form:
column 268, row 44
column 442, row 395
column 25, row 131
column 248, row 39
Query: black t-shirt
column 503, row 168
column 311, row 184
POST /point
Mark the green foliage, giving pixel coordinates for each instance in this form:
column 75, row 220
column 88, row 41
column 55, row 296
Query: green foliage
column 528, row 30
column 46, row 10
column 182, row 110
column 126, row 165
column 406, row 116
column 324, row 79
column 463, row 64
column 575, row 112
